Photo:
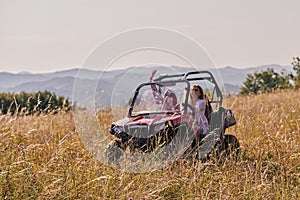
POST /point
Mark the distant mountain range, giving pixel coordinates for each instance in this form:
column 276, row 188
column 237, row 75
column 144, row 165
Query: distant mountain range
column 126, row 80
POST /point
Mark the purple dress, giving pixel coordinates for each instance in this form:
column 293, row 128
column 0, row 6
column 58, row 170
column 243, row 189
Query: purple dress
column 200, row 115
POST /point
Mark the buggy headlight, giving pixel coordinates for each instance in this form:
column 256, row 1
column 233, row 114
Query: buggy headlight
column 116, row 130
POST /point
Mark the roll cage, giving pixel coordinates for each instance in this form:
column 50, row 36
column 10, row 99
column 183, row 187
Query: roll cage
column 215, row 97
column 204, row 75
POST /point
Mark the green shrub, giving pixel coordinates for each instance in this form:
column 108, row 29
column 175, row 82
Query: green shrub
column 30, row 103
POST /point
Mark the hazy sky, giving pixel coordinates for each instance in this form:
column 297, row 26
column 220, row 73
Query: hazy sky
column 50, row 35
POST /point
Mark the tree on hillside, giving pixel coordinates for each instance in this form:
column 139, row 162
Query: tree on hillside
column 296, row 67
column 265, row 81
column 250, row 85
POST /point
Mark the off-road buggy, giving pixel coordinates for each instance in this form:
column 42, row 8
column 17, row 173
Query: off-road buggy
column 148, row 127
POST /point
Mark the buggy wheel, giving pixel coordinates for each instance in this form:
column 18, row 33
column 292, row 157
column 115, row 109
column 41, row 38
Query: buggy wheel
column 232, row 147
column 112, row 153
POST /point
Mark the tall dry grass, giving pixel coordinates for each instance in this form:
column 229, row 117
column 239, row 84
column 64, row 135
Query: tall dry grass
column 42, row 157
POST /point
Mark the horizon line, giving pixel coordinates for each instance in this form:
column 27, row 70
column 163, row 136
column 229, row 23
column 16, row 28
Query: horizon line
column 128, row 67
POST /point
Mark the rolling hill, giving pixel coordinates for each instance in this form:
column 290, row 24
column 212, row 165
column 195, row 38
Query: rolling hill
column 126, row 80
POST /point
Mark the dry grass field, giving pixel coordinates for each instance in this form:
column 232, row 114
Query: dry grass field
column 42, row 157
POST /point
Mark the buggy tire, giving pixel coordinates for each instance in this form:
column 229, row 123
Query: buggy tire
column 112, row 153
column 232, row 147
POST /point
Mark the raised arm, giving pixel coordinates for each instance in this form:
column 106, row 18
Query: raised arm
column 156, row 91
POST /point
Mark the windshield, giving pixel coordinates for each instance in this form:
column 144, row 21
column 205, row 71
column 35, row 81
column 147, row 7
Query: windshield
column 160, row 97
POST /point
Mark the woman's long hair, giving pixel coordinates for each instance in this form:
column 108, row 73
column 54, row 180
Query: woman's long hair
column 201, row 96
column 170, row 95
